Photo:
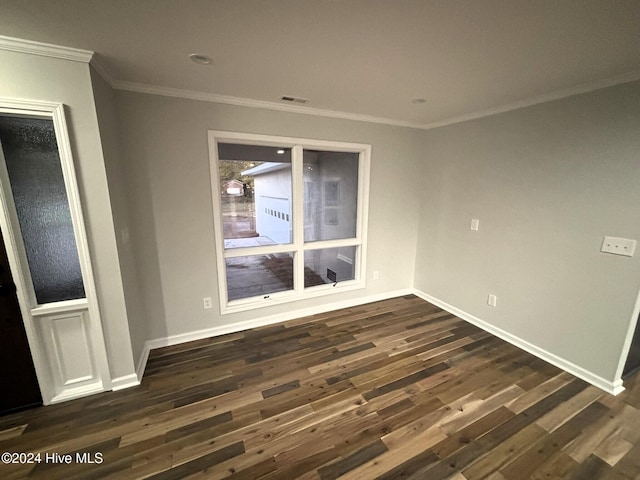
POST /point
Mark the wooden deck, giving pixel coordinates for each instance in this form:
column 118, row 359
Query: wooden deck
column 393, row 389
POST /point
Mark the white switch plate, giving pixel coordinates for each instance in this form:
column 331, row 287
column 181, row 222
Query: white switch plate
column 206, row 303
column 618, row 246
column 492, row 300
column 475, row 224
column 376, row 275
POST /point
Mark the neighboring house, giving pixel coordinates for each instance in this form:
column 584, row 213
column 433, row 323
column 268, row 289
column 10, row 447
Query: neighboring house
column 233, row 187
column 272, row 193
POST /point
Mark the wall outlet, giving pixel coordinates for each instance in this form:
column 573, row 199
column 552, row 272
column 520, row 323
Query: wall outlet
column 206, row 302
column 376, row 275
column 618, row 246
column 492, row 300
column 475, row 224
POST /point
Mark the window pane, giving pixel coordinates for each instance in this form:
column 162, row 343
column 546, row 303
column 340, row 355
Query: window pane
column 329, row 265
column 259, row 275
column 255, row 194
column 330, row 195
column 31, row 154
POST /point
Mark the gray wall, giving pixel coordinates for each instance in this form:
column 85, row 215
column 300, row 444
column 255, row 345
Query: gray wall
column 166, row 166
column 547, row 183
column 105, row 102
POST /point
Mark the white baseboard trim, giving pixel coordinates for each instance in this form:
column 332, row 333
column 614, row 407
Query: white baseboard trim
column 613, row 388
column 78, row 392
column 125, row 381
column 258, row 322
column 142, row 361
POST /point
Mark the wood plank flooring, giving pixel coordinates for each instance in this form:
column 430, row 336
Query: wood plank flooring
column 389, row 390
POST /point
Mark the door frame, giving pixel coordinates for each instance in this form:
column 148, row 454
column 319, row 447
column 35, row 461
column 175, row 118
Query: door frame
column 626, row 346
column 78, row 322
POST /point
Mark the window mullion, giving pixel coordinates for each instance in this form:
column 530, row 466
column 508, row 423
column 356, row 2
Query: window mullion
column 263, row 250
column 319, row 244
column 362, row 213
column 297, row 205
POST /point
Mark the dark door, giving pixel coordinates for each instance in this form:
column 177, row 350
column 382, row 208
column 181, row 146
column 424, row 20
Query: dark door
column 18, row 383
column 633, row 360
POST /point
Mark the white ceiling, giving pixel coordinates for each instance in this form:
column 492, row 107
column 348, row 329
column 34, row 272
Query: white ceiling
column 366, row 57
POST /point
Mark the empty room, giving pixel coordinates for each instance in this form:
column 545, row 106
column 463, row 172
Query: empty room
column 320, row 239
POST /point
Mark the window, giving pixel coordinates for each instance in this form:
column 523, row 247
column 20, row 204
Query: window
column 289, row 217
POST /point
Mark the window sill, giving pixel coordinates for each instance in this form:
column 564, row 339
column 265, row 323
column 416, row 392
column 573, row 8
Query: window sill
column 290, row 296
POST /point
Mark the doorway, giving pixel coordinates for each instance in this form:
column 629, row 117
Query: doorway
column 17, row 372
column 50, row 287
column 633, row 359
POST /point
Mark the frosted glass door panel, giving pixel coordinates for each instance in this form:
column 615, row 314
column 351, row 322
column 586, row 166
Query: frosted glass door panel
column 33, row 164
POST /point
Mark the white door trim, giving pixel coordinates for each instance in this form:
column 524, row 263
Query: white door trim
column 33, row 314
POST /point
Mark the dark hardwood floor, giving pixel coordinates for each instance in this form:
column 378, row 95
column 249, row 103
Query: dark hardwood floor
column 394, row 389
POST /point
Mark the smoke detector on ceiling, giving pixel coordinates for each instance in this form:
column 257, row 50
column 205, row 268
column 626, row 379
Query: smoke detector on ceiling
column 287, row 98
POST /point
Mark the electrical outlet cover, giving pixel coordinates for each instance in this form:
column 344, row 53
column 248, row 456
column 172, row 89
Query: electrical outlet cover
column 618, row 246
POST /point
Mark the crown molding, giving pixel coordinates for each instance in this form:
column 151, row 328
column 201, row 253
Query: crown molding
column 87, row 56
column 547, row 97
column 45, row 49
column 102, row 70
column 247, row 102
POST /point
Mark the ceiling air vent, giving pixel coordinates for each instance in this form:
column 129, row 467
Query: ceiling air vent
column 293, row 99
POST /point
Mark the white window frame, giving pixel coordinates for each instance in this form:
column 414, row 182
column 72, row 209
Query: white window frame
column 298, row 245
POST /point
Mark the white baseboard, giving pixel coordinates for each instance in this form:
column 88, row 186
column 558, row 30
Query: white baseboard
column 612, row 387
column 77, row 392
column 125, row 381
column 258, row 322
column 142, row 361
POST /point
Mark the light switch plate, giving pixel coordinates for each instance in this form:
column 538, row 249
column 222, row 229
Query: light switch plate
column 618, row 246
column 492, row 300
column 475, row 224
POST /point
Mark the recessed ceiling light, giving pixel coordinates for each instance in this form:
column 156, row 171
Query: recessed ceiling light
column 280, row 152
column 418, row 101
column 200, row 59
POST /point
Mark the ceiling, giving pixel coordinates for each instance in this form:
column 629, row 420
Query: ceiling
column 465, row 58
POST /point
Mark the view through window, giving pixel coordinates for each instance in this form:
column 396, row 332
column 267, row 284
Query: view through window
column 290, row 215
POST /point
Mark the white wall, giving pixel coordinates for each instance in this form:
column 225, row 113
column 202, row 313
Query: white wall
column 546, row 182
column 33, row 77
column 166, row 166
